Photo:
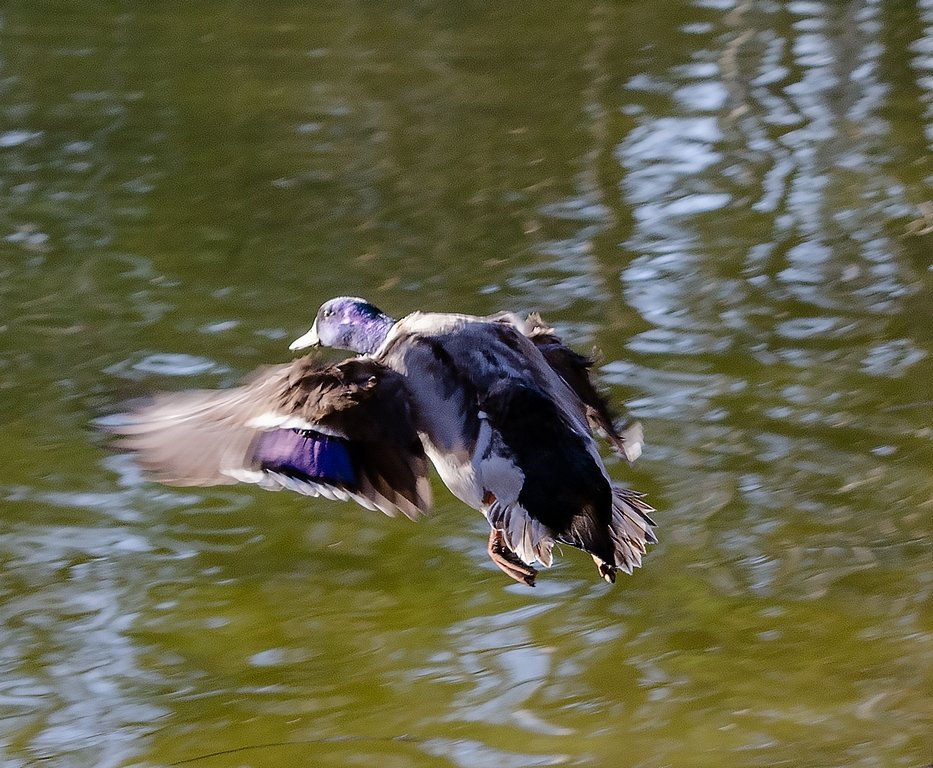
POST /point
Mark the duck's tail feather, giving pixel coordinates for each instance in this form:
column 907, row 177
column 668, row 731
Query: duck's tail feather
column 630, row 531
column 618, row 546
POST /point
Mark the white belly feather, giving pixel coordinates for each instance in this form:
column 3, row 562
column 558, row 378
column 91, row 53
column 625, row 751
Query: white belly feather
column 487, row 470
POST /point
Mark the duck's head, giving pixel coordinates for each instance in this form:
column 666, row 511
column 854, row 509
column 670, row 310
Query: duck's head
column 347, row 322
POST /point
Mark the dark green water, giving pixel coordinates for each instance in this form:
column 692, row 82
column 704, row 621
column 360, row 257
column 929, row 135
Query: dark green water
column 731, row 199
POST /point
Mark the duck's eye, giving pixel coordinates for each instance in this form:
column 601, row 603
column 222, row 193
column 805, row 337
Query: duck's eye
column 327, row 312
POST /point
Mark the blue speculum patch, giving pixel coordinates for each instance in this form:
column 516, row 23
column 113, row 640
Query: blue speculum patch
column 306, row 454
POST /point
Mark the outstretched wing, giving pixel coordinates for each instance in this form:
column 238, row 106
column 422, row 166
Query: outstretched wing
column 341, row 431
column 574, row 369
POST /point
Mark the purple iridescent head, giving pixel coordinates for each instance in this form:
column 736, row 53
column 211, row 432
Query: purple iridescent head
column 347, row 322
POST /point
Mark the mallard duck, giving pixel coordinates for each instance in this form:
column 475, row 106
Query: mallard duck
column 504, row 410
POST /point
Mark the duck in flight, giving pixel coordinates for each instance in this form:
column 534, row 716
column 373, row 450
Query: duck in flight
column 504, row 411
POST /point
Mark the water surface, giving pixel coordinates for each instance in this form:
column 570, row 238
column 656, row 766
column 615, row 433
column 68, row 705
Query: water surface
column 731, row 200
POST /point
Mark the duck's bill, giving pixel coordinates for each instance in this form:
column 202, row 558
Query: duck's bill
column 310, row 339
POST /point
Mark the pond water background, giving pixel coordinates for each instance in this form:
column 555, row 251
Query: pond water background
column 732, row 200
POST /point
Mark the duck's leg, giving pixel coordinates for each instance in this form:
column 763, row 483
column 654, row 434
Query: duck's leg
column 606, row 571
column 507, row 561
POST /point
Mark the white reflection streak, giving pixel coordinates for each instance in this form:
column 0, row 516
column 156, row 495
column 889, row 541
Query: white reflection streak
column 804, row 125
column 507, row 667
column 923, row 62
column 71, row 670
column 68, row 662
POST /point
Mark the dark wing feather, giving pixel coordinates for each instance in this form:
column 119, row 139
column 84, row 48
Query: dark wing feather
column 574, row 369
column 342, row 431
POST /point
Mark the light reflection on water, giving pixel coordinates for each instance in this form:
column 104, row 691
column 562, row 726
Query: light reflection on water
column 722, row 203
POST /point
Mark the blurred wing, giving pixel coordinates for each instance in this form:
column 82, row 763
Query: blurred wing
column 341, row 431
column 574, row 369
